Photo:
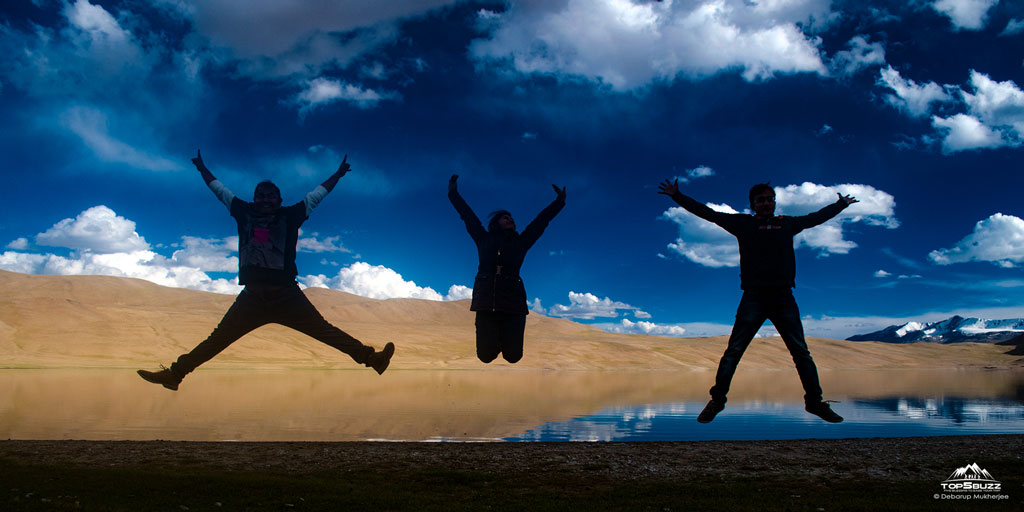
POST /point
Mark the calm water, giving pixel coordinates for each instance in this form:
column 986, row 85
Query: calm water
column 491, row 405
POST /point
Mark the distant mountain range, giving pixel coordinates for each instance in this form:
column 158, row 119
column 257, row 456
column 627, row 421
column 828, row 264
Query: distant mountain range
column 955, row 329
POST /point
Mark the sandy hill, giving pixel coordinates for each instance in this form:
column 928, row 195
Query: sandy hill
column 100, row 321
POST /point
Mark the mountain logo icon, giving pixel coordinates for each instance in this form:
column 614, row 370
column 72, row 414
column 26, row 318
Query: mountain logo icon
column 971, row 478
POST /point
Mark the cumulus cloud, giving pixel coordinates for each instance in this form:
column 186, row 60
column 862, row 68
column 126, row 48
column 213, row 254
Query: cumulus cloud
column 324, row 91
column 963, row 132
column 998, row 239
column 627, row 45
column 965, row 14
column 314, row 244
column 587, row 306
column 18, row 244
column 97, row 229
column 707, row 244
column 882, row 273
column 1013, row 27
column 861, row 54
column 627, row 326
column 274, row 39
column 380, row 282
column 208, row 255
column 911, row 97
column 701, row 171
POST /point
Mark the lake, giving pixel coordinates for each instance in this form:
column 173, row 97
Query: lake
column 497, row 405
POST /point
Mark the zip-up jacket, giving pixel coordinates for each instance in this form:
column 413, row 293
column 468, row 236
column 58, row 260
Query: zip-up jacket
column 498, row 286
column 767, row 259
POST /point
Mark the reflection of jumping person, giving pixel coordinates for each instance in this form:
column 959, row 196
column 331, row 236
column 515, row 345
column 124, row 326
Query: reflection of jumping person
column 267, row 236
column 499, row 297
column 767, row 277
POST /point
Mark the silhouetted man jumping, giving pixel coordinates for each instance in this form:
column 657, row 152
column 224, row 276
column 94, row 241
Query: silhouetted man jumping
column 267, row 238
column 767, row 277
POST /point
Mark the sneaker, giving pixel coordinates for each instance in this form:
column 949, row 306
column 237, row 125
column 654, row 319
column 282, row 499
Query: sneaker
column 379, row 361
column 823, row 411
column 710, row 411
column 163, row 377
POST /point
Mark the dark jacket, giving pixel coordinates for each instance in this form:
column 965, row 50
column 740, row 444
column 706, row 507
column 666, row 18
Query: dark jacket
column 497, row 286
column 767, row 259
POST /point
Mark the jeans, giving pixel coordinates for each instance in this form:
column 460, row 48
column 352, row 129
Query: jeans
column 257, row 306
column 779, row 306
column 499, row 333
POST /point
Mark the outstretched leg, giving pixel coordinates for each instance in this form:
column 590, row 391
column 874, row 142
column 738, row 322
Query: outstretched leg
column 294, row 310
column 242, row 317
column 750, row 316
column 786, row 319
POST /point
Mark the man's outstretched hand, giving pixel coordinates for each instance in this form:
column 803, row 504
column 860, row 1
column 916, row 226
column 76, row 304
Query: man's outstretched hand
column 198, row 161
column 344, row 168
column 559, row 191
column 669, row 188
column 848, row 199
column 453, row 184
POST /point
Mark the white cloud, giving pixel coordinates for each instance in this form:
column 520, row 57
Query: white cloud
column 882, row 273
column 459, row 292
column 627, row 45
column 998, row 239
column 626, row 326
column 701, row 241
column 273, row 39
column 1013, row 27
column 97, row 229
column 18, row 244
column 997, row 104
column 536, row 307
column 701, row 171
column 91, row 125
column 965, row 14
column 707, row 244
column 208, row 255
column 380, row 282
column 587, row 306
column 862, row 54
column 324, row 91
column 963, row 132
column 316, row 245
column 911, row 97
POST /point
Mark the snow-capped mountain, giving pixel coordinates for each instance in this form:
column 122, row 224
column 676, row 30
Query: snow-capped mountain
column 955, row 329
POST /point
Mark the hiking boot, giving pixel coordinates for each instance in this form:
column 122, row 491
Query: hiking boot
column 164, row 377
column 379, row 361
column 710, row 411
column 823, row 411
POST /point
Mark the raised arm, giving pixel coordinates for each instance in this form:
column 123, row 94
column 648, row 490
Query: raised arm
column 671, row 189
column 215, row 185
column 537, row 226
column 823, row 215
column 473, row 224
column 343, row 169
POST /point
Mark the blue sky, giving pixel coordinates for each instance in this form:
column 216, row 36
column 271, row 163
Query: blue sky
column 916, row 108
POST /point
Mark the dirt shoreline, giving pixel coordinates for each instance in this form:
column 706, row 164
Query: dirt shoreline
column 917, row 458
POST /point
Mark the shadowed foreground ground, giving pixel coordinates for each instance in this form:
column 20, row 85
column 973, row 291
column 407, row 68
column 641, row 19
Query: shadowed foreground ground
column 852, row 474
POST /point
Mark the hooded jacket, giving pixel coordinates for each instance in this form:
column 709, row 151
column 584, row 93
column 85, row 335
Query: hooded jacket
column 498, row 286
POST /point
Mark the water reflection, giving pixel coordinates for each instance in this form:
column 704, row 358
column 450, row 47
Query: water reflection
column 338, row 405
column 752, row 420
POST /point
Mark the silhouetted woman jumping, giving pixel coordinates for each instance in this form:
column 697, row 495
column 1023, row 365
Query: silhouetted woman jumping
column 499, row 297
